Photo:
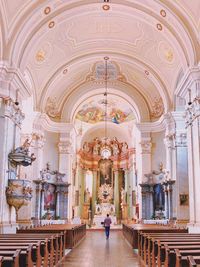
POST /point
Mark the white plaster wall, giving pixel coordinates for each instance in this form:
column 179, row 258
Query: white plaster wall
column 28, row 110
column 50, row 153
column 158, row 150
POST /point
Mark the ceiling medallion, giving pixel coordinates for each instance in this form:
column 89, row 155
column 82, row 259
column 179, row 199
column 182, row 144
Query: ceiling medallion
column 47, row 10
column 163, row 13
column 106, row 7
column 159, row 26
column 51, row 24
column 40, row 55
column 65, row 71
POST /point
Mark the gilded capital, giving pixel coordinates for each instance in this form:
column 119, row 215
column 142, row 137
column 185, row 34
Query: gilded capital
column 65, row 147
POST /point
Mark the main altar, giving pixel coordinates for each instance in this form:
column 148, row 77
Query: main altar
column 103, row 181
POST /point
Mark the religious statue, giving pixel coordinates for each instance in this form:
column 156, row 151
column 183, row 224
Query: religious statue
column 124, row 147
column 123, row 196
column 86, row 147
column 21, row 156
column 158, row 197
column 96, row 147
column 87, row 196
column 24, row 148
column 115, row 149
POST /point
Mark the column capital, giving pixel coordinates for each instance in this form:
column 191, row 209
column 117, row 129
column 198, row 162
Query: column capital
column 146, row 146
column 181, row 139
column 170, row 141
column 11, row 110
column 65, row 147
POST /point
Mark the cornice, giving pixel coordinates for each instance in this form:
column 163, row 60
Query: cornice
column 12, row 81
column 57, row 127
column 190, row 76
column 156, row 126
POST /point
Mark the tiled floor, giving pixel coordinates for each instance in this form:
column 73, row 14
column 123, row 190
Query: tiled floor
column 96, row 251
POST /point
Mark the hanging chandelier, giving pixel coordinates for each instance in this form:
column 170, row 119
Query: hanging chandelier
column 106, row 153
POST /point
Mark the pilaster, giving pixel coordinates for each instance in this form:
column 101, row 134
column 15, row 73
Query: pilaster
column 189, row 89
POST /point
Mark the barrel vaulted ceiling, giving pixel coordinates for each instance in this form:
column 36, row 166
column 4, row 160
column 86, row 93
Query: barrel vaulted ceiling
column 57, row 45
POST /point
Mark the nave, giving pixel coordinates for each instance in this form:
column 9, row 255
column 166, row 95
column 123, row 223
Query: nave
column 96, row 251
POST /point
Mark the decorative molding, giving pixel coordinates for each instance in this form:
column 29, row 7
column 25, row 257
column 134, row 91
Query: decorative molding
column 65, row 147
column 181, row 139
column 157, row 126
column 157, row 108
column 52, row 108
column 43, row 121
column 11, row 81
column 146, row 146
column 192, row 111
column 191, row 76
column 170, row 141
column 97, row 73
column 12, row 111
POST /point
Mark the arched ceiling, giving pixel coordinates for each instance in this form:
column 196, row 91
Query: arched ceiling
column 57, row 44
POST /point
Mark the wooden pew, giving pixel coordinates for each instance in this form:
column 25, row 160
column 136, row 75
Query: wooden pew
column 170, row 255
column 32, row 251
column 153, row 249
column 11, row 259
column 42, row 251
column 73, row 234
column 193, row 261
column 177, row 241
column 182, row 256
column 48, row 249
column 55, row 243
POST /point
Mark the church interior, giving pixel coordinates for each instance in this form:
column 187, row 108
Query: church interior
column 99, row 115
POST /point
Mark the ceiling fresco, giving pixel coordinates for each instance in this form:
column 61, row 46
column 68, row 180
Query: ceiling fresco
column 94, row 111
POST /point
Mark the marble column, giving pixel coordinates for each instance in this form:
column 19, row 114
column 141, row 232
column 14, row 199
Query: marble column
column 94, row 191
column 170, row 199
column 65, row 149
column 37, row 214
column 171, row 158
column 143, row 162
column 116, row 194
column 182, row 180
column 57, row 202
column 128, row 195
column 82, row 190
column 193, row 133
column 42, row 202
column 166, row 201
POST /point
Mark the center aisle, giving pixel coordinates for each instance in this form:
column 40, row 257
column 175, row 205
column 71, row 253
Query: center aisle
column 96, row 251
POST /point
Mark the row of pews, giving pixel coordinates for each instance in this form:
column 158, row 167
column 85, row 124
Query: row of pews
column 42, row 246
column 164, row 246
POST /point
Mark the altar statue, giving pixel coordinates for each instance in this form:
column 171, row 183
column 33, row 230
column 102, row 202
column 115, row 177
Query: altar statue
column 87, row 196
column 123, row 196
column 158, row 197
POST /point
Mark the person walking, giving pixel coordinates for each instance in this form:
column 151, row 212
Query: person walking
column 107, row 223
